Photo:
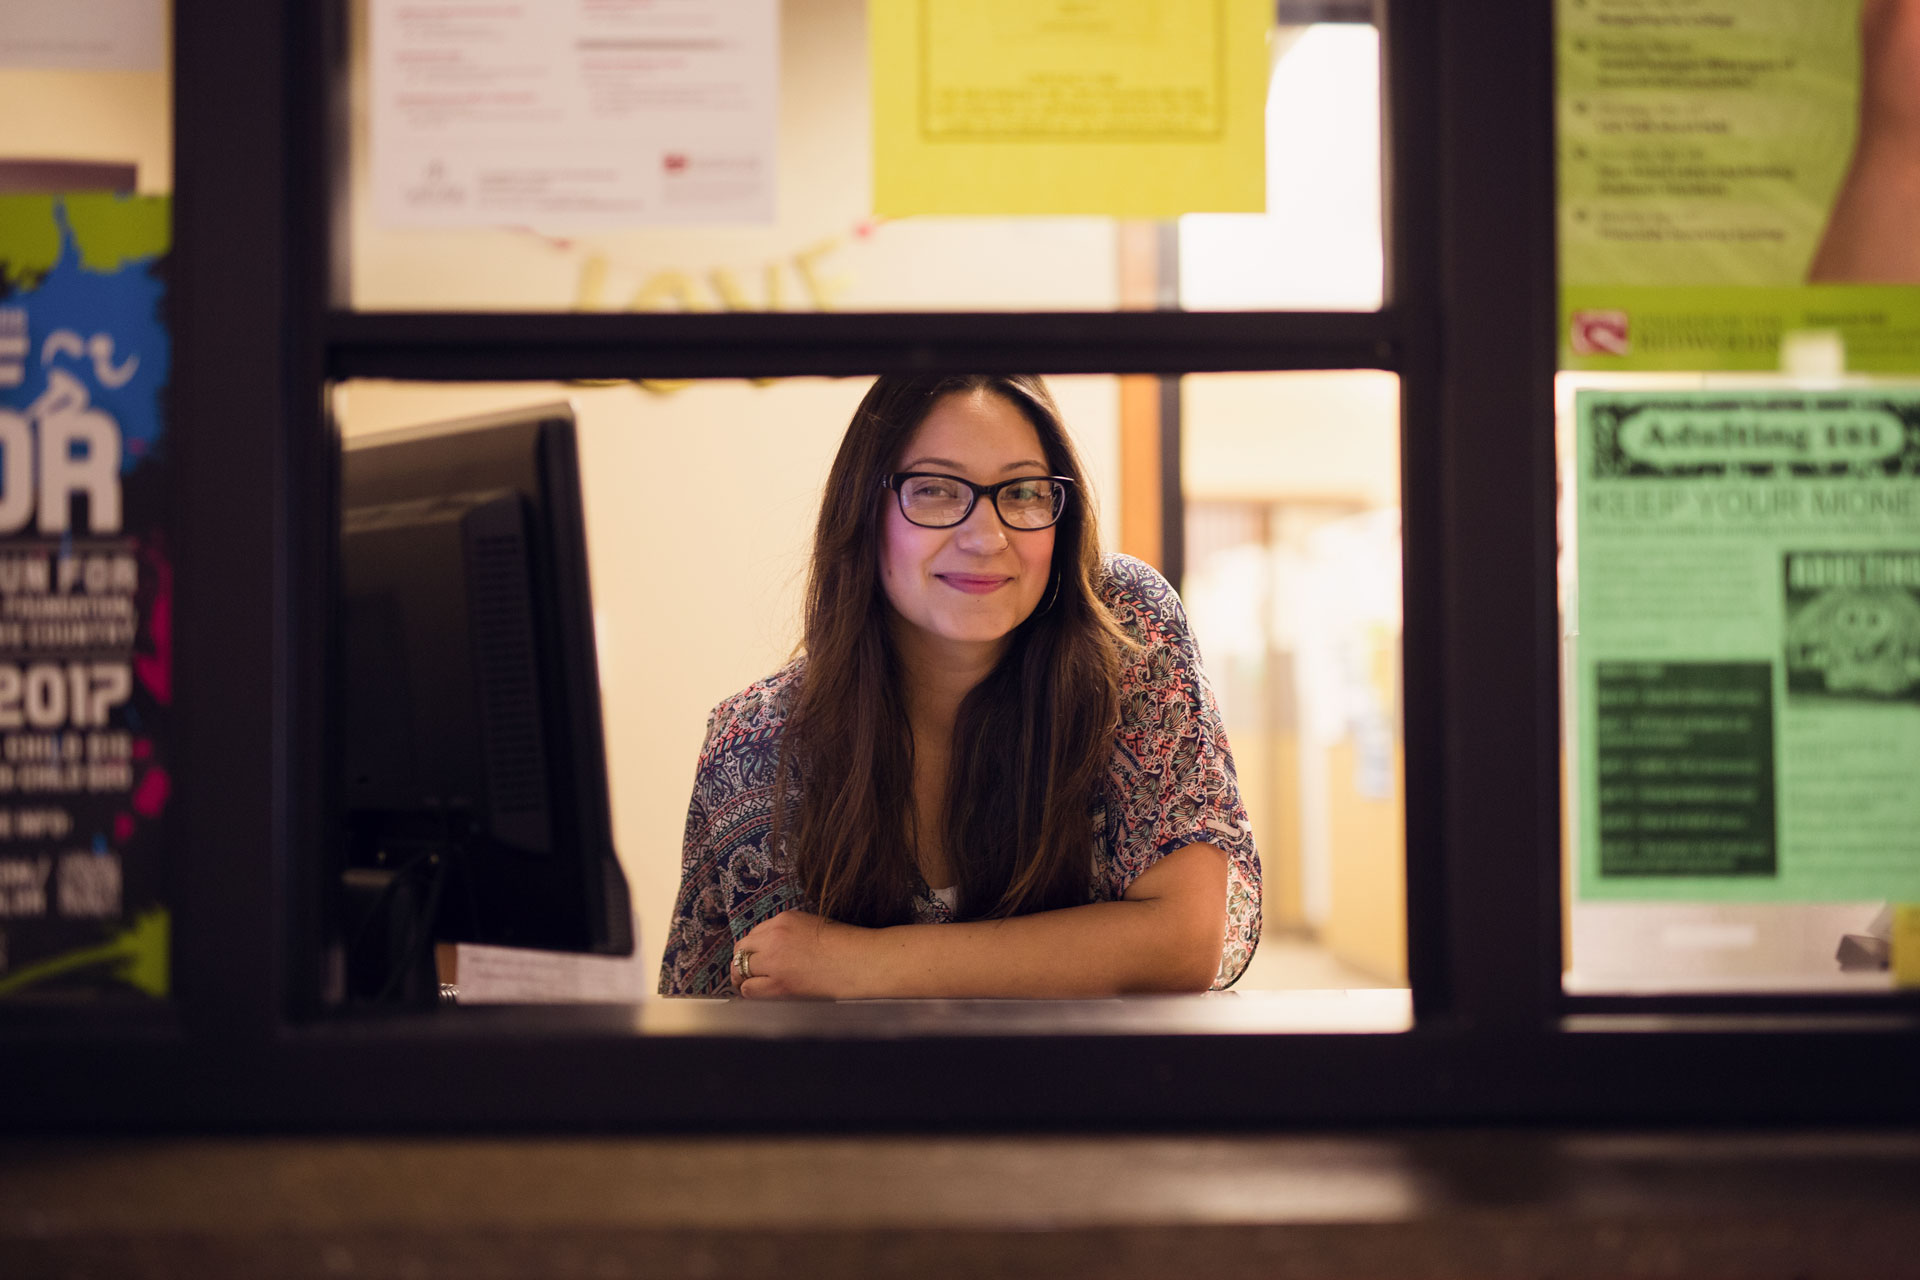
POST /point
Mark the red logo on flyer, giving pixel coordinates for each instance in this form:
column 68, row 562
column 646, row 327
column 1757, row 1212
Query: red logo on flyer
column 1599, row 333
column 675, row 161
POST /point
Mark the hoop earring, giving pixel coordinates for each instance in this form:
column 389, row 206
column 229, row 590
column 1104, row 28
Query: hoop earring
column 1051, row 595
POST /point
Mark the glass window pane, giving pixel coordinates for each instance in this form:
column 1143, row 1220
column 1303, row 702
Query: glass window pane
column 1292, row 587
column 1292, row 580
column 1319, row 247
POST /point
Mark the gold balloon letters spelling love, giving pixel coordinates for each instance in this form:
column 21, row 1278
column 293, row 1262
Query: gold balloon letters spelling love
column 717, row 289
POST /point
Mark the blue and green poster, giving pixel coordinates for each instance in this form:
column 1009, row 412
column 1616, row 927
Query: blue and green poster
column 86, row 598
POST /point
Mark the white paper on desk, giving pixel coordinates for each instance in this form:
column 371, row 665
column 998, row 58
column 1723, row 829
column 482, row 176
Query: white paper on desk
column 511, row 975
column 83, row 35
column 562, row 114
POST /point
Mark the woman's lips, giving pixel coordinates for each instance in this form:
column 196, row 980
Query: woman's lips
column 972, row 583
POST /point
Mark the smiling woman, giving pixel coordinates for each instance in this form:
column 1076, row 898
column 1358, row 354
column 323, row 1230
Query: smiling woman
column 996, row 769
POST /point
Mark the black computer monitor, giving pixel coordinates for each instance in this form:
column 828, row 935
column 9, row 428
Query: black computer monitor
column 474, row 763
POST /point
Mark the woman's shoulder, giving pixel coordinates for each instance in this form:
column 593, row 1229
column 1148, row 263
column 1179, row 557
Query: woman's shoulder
column 1141, row 600
column 753, row 718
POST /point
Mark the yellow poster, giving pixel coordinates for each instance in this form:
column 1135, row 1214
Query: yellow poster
column 1122, row 108
column 1906, row 945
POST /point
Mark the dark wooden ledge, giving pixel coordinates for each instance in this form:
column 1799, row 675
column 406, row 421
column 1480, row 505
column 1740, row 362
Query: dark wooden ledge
column 1457, row 1204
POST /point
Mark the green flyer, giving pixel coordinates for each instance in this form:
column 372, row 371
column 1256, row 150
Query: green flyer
column 1734, row 174
column 1744, row 652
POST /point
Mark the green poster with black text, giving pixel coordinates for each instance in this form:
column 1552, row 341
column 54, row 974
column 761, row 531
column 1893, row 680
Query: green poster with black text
column 1744, row 647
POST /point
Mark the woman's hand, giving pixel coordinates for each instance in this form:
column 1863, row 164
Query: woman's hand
column 796, row 953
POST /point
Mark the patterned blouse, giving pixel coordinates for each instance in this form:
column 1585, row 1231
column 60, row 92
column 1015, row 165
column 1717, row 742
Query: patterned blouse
column 1171, row 784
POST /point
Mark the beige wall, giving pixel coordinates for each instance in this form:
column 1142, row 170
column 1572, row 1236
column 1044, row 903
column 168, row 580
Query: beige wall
column 115, row 116
column 1366, row 925
column 1307, row 436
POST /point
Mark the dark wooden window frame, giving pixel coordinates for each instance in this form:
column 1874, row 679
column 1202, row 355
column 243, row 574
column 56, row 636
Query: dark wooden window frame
column 260, row 333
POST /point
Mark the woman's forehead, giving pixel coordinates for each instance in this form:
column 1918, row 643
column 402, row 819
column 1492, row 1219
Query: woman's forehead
column 975, row 430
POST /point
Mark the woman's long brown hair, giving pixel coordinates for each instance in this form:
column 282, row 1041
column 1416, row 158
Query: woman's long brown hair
column 1031, row 742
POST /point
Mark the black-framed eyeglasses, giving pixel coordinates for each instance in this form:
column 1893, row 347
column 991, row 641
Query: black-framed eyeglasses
column 933, row 500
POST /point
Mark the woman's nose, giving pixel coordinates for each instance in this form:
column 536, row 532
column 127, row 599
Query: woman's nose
column 982, row 530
